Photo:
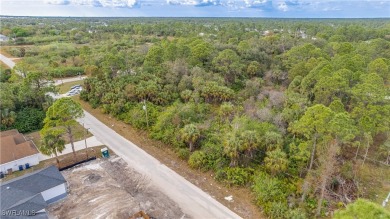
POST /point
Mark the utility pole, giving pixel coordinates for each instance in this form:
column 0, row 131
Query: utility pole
column 85, row 140
column 386, row 200
column 146, row 112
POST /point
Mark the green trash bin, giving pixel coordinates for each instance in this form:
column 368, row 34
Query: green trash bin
column 105, row 153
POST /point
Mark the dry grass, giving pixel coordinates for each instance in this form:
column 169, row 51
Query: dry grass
column 374, row 182
column 3, row 65
column 4, row 51
column 16, row 60
column 243, row 200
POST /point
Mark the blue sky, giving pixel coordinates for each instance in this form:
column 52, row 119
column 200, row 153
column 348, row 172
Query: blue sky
column 198, row 8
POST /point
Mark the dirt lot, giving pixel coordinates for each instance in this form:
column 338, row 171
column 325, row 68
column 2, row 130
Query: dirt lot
column 109, row 188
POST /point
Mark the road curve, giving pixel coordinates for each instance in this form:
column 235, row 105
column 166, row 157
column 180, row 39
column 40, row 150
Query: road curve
column 10, row 63
column 192, row 200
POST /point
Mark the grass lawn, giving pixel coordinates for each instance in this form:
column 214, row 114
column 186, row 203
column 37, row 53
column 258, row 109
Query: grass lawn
column 65, row 87
column 78, row 134
column 65, row 160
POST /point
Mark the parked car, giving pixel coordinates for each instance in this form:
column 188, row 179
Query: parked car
column 75, row 86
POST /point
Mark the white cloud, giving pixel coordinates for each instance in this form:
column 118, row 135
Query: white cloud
column 255, row 3
column 57, row 2
column 86, row 2
column 193, row 2
column 282, row 6
column 96, row 3
column 118, row 3
column 181, row 2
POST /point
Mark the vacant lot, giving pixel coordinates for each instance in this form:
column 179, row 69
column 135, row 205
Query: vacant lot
column 108, row 188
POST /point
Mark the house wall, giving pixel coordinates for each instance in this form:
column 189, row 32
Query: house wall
column 54, row 194
column 32, row 160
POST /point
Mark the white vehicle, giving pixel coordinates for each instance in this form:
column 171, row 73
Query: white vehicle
column 75, row 86
column 74, row 90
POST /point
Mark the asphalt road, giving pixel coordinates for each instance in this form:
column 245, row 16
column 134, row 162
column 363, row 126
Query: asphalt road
column 66, row 80
column 192, row 200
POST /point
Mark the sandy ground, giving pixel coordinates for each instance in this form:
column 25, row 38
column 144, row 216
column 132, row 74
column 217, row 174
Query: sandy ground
column 109, row 188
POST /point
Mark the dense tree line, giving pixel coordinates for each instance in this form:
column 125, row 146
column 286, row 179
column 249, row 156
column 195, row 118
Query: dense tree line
column 291, row 108
column 24, row 101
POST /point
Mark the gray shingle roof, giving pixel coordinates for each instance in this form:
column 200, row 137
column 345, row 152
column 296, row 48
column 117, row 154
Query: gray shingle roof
column 24, row 193
column 34, row 203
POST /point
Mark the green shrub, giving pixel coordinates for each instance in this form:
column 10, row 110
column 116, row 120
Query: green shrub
column 84, row 95
column 215, row 156
column 235, row 176
column 198, row 160
column 268, row 189
column 29, row 119
column 5, row 74
column 276, row 209
column 296, row 213
column 362, row 208
column 66, row 71
column 136, row 116
column 183, row 153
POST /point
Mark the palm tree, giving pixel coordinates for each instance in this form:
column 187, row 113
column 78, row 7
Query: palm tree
column 250, row 142
column 190, row 134
column 7, row 117
column 276, row 161
column 232, row 145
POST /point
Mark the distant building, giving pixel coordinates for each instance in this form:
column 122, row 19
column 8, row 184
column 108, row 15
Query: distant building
column 16, row 152
column 3, row 38
column 29, row 195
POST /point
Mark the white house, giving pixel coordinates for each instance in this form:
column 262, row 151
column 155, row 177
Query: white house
column 32, row 193
column 16, row 152
column 3, row 38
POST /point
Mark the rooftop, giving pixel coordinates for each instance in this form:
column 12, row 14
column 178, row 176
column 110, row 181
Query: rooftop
column 24, row 193
column 13, row 146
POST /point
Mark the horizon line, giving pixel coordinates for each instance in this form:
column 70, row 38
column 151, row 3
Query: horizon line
column 258, row 17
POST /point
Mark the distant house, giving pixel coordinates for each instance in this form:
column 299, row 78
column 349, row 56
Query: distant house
column 29, row 195
column 16, row 152
column 3, row 38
